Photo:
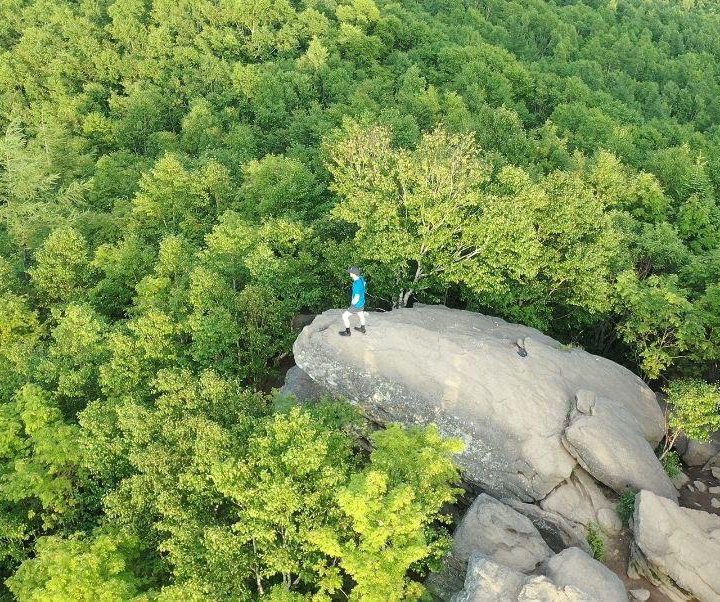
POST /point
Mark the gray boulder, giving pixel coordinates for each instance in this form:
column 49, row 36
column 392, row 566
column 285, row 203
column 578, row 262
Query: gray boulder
column 574, row 567
column 500, row 534
column 301, row 386
column 488, row 581
column 696, row 453
column 609, row 520
column 611, row 444
column 676, row 546
column 579, row 499
column 462, row 371
column 541, row 589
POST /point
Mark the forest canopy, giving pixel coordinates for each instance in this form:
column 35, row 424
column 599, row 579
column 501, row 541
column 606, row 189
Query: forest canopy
column 180, row 178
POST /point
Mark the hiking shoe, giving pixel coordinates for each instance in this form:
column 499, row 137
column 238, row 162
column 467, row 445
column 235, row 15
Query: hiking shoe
column 345, row 333
column 360, row 329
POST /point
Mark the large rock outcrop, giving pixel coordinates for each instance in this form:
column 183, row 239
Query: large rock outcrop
column 461, row 370
column 677, row 549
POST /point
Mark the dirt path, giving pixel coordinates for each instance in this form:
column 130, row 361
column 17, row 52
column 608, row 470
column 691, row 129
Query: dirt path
column 617, row 552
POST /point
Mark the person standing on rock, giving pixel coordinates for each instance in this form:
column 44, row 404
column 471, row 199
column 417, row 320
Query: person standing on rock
column 357, row 302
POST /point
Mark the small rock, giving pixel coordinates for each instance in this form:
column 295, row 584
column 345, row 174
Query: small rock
column 680, row 480
column 691, row 488
column 700, row 486
column 715, row 470
column 558, row 532
column 640, row 594
column 715, row 503
column 714, row 490
column 695, row 453
column 484, row 576
column 698, row 504
column 609, row 520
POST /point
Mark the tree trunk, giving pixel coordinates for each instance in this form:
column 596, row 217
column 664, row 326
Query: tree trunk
column 405, row 294
column 258, row 581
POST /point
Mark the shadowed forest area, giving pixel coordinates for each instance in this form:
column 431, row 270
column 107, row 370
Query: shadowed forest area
column 180, row 178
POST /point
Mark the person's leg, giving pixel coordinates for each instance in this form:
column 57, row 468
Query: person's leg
column 361, row 316
column 346, row 322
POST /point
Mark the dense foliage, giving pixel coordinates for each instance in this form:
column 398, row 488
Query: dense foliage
column 179, row 178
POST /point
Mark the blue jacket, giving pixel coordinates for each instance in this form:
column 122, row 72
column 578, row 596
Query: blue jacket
column 358, row 289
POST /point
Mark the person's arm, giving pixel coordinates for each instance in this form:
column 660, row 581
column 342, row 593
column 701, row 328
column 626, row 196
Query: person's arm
column 355, row 299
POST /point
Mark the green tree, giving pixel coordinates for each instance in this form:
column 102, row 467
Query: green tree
column 390, row 508
column 660, row 321
column 120, row 267
column 99, row 567
column 282, row 489
column 40, row 457
column 416, row 212
column 173, row 200
column 60, row 273
column 71, row 366
column 433, row 217
column 693, row 409
column 137, row 351
column 167, row 497
column 20, row 334
column 279, row 186
column 24, row 175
